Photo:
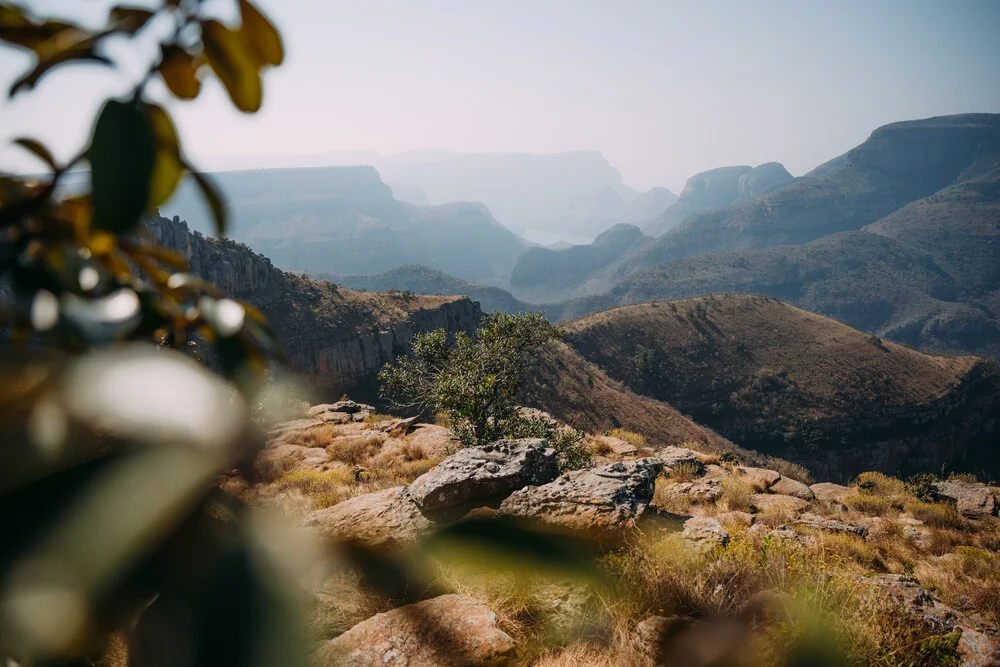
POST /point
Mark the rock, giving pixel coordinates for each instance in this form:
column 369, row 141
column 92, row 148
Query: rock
column 360, row 416
column 976, row 648
column 603, row 502
column 831, row 525
column 705, row 532
column 349, row 407
column 677, row 640
column 783, row 533
column 655, row 635
column 334, row 417
column 400, row 427
column 447, row 631
column 769, row 503
column 831, row 493
column 701, row 491
column 790, row 487
column 618, row 446
column 972, row 499
column 736, row 517
column 878, row 528
column 676, row 456
column 483, row 473
column 436, row 441
column 384, row 518
column 762, row 478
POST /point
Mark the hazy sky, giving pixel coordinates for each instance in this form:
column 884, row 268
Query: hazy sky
column 663, row 89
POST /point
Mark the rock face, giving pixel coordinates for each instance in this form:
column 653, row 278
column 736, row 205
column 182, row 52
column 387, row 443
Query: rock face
column 336, row 338
column 762, row 478
column 972, row 499
column 482, row 473
column 767, row 503
column 603, row 502
column 831, row 525
column 383, row 518
column 831, row 493
column 762, row 179
column 791, row 487
column 446, row 631
column 705, row 532
column 673, row 457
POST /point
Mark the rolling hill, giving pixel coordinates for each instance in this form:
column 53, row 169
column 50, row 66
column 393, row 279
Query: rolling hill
column 800, row 386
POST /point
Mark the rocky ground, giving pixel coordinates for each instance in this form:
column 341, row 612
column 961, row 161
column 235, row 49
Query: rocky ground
column 674, row 556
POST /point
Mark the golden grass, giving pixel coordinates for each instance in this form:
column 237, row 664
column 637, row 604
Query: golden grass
column 634, row 439
column 685, row 472
column 869, row 504
column 738, row 494
column 938, row 515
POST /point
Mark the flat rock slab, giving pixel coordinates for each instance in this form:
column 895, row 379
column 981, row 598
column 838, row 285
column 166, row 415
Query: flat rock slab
column 972, row 499
column 602, row 502
column 791, row 487
column 762, row 478
column 350, row 407
column 384, row 518
column 767, row 502
column 831, row 493
column 831, row 525
column 673, row 457
column 447, row 631
column 706, row 490
column 619, row 447
column 481, row 473
column 705, row 532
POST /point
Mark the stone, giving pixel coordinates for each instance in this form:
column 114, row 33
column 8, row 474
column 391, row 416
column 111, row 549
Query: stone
column 360, row 416
column 782, row 533
column 772, row 503
column 735, row 517
column 705, row 532
column 618, row 446
column 383, row 518
column 483, row 473
column 436, row 441
column 791, row 487
column 673, row 457
column 347, row 406
column 831, row 525
column 972, row 499
column 602, row 502
column 400, row 427
column 762, row 478
column 447, row 631
column 705, row 490
column 831, row 493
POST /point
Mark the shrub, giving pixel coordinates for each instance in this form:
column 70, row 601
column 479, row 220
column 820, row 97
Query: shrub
column 685, row 472
column 728, row 457
column 876, row 483
column 922, row 486
column 568, row 442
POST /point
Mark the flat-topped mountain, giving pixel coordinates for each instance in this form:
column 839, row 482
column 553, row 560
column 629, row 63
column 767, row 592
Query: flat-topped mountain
column 800, row 386
column 346, row 220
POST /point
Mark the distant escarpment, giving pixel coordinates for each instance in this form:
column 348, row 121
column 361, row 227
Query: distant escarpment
column 802, row 387
column 335, row 338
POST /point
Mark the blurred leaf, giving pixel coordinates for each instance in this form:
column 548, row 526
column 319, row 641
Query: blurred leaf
column 214, row 199
column 506, row 544
column 231, row 62
column 262, row 39
column 169, row 257
column 179, row 72
column 38, row 150
column 130, row 20
column 17, row 27
column 168, row 168
column 122, row 159
column 83, row 52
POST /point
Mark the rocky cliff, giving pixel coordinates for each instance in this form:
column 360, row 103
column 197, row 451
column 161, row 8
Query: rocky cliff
column 335, row 338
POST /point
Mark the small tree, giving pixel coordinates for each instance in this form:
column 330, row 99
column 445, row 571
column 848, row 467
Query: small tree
column 475, row 381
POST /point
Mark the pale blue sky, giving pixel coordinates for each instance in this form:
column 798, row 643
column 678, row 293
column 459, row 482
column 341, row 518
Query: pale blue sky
column 663, row 89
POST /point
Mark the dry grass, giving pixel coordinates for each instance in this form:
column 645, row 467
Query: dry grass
column 878, row 484
column 375, row 419
column 870, row 505
column 738, row 494
column 938, row 515
column 602, row 447
column 685, row 472
column 635, row 439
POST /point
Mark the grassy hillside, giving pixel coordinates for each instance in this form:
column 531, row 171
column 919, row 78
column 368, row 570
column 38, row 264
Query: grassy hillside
column 800, row 386
column 422, row 280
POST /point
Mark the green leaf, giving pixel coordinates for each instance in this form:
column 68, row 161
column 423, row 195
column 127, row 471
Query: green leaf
column 214, row 199
column 122, row 158
column 38, row 150
column 262, row 38
column 228, row 56
column 178, row 70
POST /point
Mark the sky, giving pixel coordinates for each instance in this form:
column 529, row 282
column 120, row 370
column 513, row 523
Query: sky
column 663, row 89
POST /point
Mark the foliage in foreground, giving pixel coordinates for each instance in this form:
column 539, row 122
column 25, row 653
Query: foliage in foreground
column 474, row 381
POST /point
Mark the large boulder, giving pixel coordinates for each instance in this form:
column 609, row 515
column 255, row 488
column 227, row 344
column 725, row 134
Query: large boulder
column 705, row 533
column 483, row 473
column 674, row 457
column 345, row 406
column 761, row 478
column 769, row 503
column 831, row 493
column 831, row 525
column 601, row 502
column 972, row 499
column 790, row 487
column 384, row 518
column 446, row 631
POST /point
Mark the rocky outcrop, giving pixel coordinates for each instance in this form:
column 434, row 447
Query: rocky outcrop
column 384, row 518
column 762, row 179
column 675, row 457
column 602, row 502
column 830, row 492
column 705, row 533
column 478, row 474
column 337, row 339
column 831, row 525
column 972, row 499
column 791, row 487
column 446, row 631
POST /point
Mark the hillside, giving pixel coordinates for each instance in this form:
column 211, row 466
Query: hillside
column 800, row 386
column 335, row 339
column 346, row 220
column 926, row 275
column 422, row 280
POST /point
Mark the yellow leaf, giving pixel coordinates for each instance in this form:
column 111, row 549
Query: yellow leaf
column 168, row 168
column 262, row 38
column 179, row 72
column 227, row 54
column 130, row 20
column 37, row 149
